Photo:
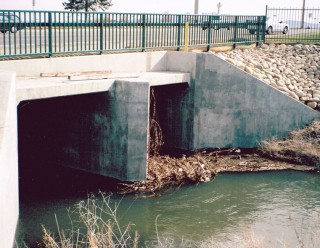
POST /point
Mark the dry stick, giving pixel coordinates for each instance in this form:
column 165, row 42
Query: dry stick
column 159, row 241
column 136, row 240
column 155, row 132
column 77, row 238
column 55, row 216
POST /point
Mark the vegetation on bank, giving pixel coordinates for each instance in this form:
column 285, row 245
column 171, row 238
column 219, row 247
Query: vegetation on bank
column 94, row 223
column 301, row 146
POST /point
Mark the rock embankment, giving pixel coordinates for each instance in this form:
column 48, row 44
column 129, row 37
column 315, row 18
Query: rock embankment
column 292, row 69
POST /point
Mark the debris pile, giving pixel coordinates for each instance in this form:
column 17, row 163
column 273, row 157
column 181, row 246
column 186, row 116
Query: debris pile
column 166, row 172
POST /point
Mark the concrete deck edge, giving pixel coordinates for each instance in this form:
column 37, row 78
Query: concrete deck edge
column 116, row 63
column 39, row 88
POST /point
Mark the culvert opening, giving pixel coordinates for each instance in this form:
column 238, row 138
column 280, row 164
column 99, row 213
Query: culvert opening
column 52, row 138
column 169, row 119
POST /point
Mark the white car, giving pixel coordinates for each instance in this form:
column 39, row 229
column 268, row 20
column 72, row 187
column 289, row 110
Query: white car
column 276, row 26
column 271, row 27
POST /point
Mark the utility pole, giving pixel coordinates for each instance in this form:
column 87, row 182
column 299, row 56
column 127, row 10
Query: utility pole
column 196, row 7
column 219, row 5
column 86, row 5
column 303, row 12
column 33, row 4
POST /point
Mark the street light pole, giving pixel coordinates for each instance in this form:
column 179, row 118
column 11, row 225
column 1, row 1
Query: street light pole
column 196, row 7
column 33, row 4
column 219, row 5
column 303, row 12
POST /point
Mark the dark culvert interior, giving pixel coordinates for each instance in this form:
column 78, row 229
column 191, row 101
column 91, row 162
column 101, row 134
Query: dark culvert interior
column 170, row 108
column 44, row 128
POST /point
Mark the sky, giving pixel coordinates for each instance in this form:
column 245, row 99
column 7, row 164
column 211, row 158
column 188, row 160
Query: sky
column 233, row 7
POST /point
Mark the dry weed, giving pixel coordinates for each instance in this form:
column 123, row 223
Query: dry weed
column 301, row 146
column 99, row 228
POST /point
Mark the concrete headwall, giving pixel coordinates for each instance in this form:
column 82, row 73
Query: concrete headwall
column 116, row 63
column 9, row 202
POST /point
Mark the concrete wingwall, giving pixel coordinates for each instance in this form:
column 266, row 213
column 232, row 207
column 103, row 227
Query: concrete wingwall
column 234, row 109
column 9, row 201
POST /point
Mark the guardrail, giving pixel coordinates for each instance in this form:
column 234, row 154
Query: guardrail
column 303, row 25
column 34, row 33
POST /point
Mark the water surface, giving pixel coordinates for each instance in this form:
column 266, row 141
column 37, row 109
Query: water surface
column 275, row 209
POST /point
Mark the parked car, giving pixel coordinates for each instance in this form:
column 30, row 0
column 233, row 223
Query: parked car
column 271, row 27
column 216, row 23
column 227, row 22
column 9, row 22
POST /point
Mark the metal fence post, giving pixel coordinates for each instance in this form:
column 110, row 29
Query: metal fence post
column 186, row 37
column 258, row 31
column 263, row 27
column 143, row 32
column 50, row 33
column 101, row 33
column 179, row 33
column 209, row 33
column 235, row 34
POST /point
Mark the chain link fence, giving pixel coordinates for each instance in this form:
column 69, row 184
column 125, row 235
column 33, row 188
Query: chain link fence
column 292, row 25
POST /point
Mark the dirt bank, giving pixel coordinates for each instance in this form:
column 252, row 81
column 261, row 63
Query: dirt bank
column 299, row 151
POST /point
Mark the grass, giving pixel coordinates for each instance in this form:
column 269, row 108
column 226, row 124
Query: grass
column 294, row 38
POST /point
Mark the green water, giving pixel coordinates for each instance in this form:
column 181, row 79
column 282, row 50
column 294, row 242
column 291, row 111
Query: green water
column 275, row 209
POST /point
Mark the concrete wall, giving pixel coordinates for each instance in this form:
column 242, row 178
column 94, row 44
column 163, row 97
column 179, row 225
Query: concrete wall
column 9, row 205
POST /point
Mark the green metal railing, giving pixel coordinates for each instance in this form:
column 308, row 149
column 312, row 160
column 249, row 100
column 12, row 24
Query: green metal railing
column 34, row 33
